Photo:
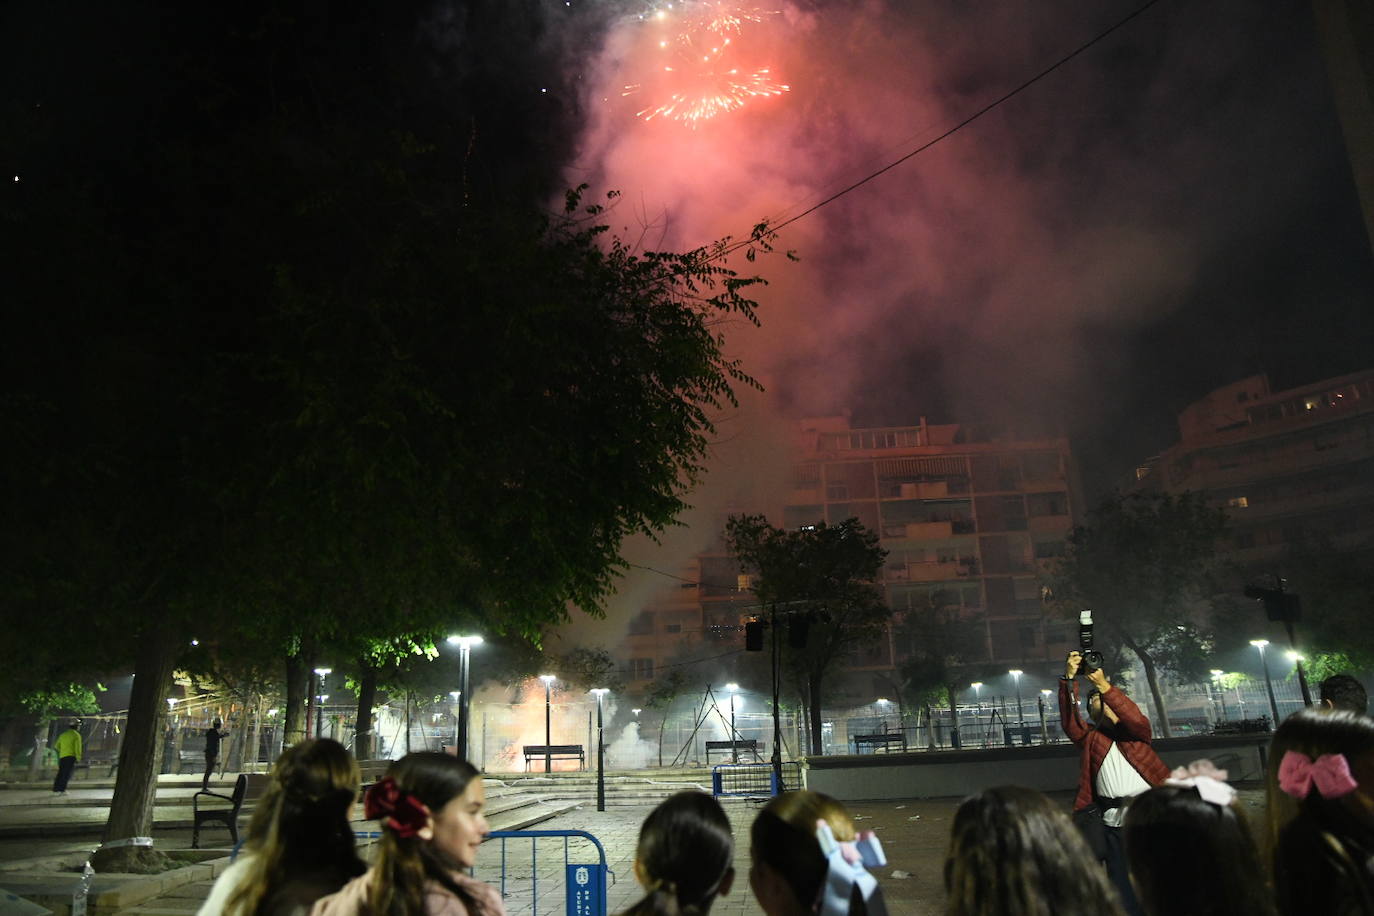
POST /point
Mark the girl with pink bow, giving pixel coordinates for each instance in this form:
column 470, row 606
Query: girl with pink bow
column 1321, row 813
column 432, row 812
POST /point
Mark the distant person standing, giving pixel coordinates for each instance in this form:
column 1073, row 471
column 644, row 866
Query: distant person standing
column 1342, row 693
column 68, row 754
column 213, row 735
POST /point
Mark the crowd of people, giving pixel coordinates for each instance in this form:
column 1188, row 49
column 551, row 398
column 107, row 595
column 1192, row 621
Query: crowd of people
column 1141, row 838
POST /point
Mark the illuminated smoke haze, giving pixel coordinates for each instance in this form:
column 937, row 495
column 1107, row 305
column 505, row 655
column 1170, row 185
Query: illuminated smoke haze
column 1150, row 220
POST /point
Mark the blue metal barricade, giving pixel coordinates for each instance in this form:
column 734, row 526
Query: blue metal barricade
column 754, row 779
column 523, row 879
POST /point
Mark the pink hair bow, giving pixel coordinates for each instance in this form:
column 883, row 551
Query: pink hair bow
column 1330, row 773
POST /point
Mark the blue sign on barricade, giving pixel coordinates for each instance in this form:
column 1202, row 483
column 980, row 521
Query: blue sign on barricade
column 586, row 890
column 525, row 883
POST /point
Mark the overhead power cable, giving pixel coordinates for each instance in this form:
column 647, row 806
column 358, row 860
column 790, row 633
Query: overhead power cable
column 744, row 243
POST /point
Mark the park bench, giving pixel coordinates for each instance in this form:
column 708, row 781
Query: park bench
column 249, row 787
column 555, row 752
column 884, row 740
column 742, row 746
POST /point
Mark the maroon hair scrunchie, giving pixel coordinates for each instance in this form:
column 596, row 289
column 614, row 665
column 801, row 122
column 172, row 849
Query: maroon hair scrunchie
column 405, row 814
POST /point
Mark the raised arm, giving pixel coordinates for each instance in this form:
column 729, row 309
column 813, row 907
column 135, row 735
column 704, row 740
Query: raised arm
column 1069, row 718
column 1130, row 721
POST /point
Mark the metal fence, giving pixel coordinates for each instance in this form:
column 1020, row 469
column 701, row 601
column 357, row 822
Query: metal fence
column 754, row 780
column 546, row 871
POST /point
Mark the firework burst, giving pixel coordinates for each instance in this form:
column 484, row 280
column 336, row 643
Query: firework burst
column 702, row 82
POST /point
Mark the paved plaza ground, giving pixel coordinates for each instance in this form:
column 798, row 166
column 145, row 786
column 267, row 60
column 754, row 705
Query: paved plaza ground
column 42, row 834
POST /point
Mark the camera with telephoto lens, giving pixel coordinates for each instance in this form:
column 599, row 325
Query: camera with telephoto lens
column 1092, row 659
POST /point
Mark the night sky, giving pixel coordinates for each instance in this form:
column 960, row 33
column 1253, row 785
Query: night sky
column 1167, row 212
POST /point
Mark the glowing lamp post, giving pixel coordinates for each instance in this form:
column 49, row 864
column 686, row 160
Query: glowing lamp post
column 319, row 707
column 548, row 680
column 1268, row 684
column 600, row 752
column 464, row 644
column 1020, row 716
column 734, row 747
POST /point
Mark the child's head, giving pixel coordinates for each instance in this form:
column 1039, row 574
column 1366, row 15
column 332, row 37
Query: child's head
column 1321, row 807
column 685, row 856
column 789, row 868
column 431, row 809
column 1012, row 852
column 300, row 829
column 1189, row 855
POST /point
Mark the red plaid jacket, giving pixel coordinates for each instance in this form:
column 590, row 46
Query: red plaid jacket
column 1132, row 736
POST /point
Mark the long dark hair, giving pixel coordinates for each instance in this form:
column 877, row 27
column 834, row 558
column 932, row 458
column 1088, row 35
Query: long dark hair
column 1189, row 857
column 685, row 850
column 404, row 864
column 1013, row 853
column 1321, row 847
column 300, row 837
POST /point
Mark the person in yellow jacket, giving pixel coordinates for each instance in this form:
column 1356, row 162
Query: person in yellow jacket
column 68, row 753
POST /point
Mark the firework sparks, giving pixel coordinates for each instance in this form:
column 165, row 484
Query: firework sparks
column 714, row 94
column 701, row 83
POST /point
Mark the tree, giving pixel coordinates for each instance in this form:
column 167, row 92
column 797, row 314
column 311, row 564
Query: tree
column 373, row 398
column 945, row 646
column 821, row 577
column 661, row 696
column 1336, row 586
column 587, row 669
column 1145, row 564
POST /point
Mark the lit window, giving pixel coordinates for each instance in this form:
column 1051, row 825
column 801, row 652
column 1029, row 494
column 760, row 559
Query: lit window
column 1237, row 502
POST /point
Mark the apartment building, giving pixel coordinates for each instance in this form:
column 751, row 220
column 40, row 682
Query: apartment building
column 967, row 515
column 1283, row 464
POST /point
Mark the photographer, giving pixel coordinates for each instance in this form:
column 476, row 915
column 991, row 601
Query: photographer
column 1117, row 763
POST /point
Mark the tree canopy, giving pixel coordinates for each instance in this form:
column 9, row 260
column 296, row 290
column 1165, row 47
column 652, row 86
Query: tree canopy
column 305, row 366
column 1145, row 564
column 821, row 577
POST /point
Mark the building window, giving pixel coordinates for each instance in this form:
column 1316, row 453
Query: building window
column 642, row 624
column 641, row 669
column 1237, row 502
column 1044, row 550
column 836, row 492
column 1040, row 505
column 672, row 628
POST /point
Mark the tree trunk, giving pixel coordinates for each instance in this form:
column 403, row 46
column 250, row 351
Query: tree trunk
column 174, row 765
column 256, row 740
column 297, row 684
column 813, row 690
column 408, row 722
column 367, row 696
column 954, row 740
column 1152, row 678
column 131, row 811
column 239, row 735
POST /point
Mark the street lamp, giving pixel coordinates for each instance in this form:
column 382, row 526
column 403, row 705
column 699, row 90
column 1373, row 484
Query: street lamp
column 600, row 752
column 734, row 747
column 1268, row 684
column 636, row 712
column 1221, row 691
column 977, row 692
column 457, row 748
column 464, row 644
column 548, row 680
column 319, row 707
column 1020, row 716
